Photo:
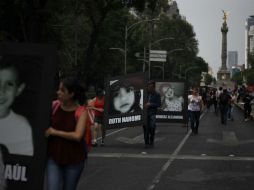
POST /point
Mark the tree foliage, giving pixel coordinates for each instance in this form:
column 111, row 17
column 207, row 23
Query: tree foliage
column 85, row 31
column 208, row 79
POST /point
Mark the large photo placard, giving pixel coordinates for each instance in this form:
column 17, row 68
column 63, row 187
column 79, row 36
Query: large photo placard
column 125, row 97
column 173, row 101
column 27, row 73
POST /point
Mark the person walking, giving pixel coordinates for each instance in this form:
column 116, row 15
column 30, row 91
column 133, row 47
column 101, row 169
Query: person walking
column 247, row 98
column 152, row 104
column 195, row 106
column 97, row 105
column 224, row 101
column 66, row 145
column 214, row 101
column 231, row 106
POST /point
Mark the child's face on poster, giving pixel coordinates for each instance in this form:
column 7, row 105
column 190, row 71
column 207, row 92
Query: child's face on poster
column 124, row 100
column 9, row 89
column 169, row 92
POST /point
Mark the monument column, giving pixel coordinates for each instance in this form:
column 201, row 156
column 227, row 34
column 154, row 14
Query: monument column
column 223, row 75
column 224, row 30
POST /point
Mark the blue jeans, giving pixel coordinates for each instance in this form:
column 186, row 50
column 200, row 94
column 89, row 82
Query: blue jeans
column 224, row 112
column 149, row 129
column 194, row 118
column 64, row 177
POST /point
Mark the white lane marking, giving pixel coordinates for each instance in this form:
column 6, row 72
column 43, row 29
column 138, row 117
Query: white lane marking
column 164, row 168
column 109, row 134
column 170, row 156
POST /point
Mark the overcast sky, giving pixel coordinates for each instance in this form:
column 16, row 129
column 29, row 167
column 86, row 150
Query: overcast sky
column 206, row 19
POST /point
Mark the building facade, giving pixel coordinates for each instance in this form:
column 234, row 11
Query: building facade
column 249, row 39
column 232, row 60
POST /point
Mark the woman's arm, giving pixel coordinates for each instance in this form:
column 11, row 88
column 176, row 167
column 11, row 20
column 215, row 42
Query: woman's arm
column 97, row 109
column 76, row 135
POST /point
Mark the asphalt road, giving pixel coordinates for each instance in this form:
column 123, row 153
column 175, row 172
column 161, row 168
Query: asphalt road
column 220, row 157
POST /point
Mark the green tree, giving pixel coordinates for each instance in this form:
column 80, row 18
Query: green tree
column 249, row 74
column 22, row 21
column 208, row 79
column 251, row 59
column 238, row 78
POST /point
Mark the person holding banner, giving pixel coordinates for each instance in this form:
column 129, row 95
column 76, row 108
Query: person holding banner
column 67, row 149
column 16, row 131
column 153, row 103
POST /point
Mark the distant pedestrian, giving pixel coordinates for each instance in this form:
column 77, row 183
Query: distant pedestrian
column 214, row 101
column 247, row 99
column 231, row 106
column 195, row 106
column 224, row 101
column 97, row 105
column 152, row 104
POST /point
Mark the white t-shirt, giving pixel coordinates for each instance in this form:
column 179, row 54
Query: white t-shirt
column 16, row 134
column 194, row 103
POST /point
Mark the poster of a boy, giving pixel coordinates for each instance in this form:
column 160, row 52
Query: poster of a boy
column 16, row 132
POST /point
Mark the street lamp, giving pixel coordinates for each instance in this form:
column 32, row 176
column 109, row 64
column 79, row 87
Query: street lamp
column 126, row 37
column 119, row 49
column 173, row 50
column 162, row 39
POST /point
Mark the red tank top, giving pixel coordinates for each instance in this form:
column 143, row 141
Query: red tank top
column 62, row 150
column 99, row 103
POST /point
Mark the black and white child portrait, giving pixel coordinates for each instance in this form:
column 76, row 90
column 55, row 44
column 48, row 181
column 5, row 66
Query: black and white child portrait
column 126, row 96
column 16, row 132
column 171, row 96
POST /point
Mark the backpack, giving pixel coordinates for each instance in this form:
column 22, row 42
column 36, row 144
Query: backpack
column 224, row 99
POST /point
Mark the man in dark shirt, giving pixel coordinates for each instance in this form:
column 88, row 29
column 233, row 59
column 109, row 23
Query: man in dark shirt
column 153, row 102
column 224, row 100
column 247, row 105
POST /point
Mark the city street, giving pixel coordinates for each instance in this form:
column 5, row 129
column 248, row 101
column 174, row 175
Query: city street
column 220, row 157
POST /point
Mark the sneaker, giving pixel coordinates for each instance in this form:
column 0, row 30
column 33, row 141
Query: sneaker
column 246, row 119
column 102, row 144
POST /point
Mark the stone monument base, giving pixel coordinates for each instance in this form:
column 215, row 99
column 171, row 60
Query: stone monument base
column 225, row 84
column 223, row 80
column 223, row 75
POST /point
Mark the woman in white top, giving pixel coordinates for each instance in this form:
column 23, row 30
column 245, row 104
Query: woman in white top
column 195, row 106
